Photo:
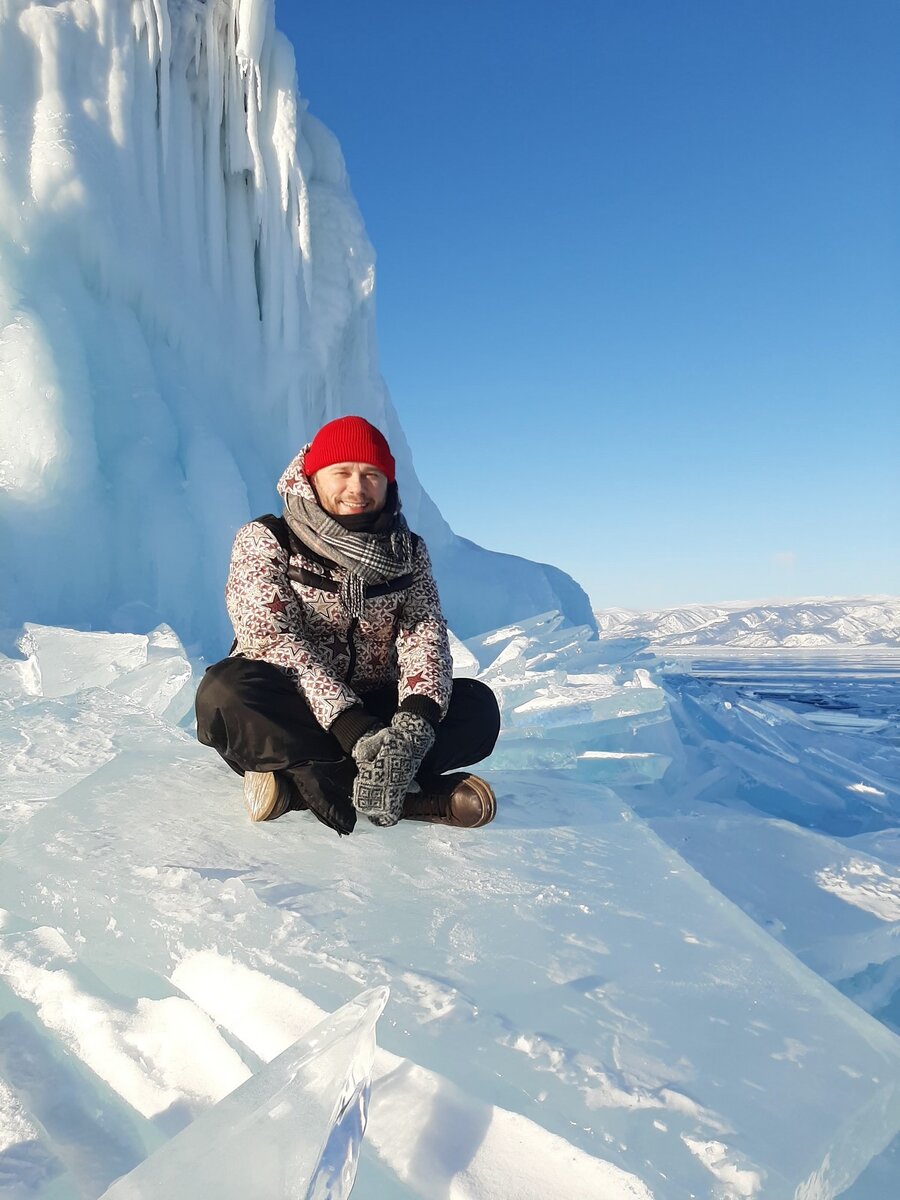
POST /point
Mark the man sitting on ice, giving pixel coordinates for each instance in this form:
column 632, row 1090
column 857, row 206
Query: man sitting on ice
column 338, row 695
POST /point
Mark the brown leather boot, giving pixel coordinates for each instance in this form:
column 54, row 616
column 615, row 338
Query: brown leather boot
column 460, row 799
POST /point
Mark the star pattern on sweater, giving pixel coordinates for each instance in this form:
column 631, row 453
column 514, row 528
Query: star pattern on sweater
column 276, row 605
column 412, row 681
column 335, row 645
column 261, row 538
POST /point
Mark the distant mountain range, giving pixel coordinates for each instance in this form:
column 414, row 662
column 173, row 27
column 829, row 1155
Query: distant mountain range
column 857, row 621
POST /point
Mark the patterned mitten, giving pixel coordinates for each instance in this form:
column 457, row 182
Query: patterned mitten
column 387, row 761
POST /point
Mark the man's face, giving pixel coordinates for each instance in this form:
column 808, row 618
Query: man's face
column 346, row 489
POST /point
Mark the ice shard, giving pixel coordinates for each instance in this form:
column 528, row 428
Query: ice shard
column 294, row 1129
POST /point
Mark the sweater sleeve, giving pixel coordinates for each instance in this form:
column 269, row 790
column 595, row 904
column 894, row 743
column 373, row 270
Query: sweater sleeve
column 423, row 646
column 268, row 622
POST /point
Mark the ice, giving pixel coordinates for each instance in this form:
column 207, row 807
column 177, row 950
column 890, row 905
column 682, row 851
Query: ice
column 610, row 767
column 151, row 670
column 294, row 1129
column 486, row 646
column 545, row 678
column 187, row 293
column 574, row 1008
column 621, row 769
column 510, row 661
column 19, row 678
column 27, row 1164
column 533, row 753
column 581, row 706
column 465, row 664
column 67, row 660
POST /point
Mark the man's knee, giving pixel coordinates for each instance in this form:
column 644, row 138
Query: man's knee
column 218, row 687
column 237, row 681
column 475, row 702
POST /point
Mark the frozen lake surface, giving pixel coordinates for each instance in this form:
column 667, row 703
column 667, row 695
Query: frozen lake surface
column 669, row 968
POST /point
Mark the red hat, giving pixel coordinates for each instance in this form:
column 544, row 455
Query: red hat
column 349, row 439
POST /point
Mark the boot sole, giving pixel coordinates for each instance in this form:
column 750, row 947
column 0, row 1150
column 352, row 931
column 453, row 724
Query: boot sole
column 263, row 796
column 485, row 794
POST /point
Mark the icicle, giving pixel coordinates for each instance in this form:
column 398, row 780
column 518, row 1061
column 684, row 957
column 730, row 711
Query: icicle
column 254, row 18
column 216, row 232
column 164, row 38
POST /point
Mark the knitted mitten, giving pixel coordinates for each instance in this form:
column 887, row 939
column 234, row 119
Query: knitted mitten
column 387, row 761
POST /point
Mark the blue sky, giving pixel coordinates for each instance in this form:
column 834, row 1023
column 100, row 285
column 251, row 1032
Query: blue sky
column 638, row 278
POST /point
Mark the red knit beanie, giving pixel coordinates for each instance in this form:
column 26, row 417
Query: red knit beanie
column 349, row 439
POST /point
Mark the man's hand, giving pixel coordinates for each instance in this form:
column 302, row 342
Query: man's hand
column 387, row 761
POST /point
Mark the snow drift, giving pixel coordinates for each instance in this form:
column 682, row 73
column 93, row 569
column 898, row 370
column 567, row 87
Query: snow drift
column 186, row 294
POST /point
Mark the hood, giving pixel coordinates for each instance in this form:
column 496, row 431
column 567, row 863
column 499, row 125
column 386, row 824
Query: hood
column 293, row 482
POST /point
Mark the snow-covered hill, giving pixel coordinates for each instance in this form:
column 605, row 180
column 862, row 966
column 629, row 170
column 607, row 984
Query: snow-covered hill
column 817, row 622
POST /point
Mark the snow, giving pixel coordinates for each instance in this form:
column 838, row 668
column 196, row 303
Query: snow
column 867, row 885
column 593, row 996
column 817, row 623
column 186, row 295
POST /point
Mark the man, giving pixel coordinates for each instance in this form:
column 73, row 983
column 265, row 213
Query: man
column 338, row 695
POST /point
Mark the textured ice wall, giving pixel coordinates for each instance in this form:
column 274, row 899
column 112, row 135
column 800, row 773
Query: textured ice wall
column 186, row 294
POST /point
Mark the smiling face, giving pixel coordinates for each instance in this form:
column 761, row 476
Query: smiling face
column 349, row 488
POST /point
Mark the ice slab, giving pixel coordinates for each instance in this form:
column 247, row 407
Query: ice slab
column 157, row 685
column 486, row 646
column 68, row 660
column 619, row 768
column 465, row 664
column 150, row 669
column 473, row 1148
column 27, row 1161
column 569, row 708
column 294, row 1129
column 510, row 662
column 532, row 753
column 19, row 678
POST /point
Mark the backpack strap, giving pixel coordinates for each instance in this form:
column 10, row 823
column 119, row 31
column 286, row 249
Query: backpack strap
column 279, row 529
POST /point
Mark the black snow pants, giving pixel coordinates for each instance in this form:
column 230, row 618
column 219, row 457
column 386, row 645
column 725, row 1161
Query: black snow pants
column 252, row 714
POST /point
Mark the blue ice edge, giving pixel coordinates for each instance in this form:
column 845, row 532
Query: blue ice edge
column 293, row 1129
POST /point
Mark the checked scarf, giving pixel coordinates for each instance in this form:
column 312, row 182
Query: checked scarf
column 368, row 558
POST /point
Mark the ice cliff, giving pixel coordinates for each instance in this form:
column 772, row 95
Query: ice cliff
column 186, row 294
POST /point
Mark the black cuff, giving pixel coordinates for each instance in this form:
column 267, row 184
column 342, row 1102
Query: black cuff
column 423, row 706
column 352, row 724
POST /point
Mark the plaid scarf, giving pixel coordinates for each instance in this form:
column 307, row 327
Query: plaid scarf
column 368, row 558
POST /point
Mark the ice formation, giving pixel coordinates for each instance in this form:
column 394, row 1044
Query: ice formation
column 661, row 990
column 186, row 294
column 293, row 1129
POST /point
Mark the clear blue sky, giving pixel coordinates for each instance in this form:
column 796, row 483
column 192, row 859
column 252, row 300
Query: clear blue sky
column 638, row 277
